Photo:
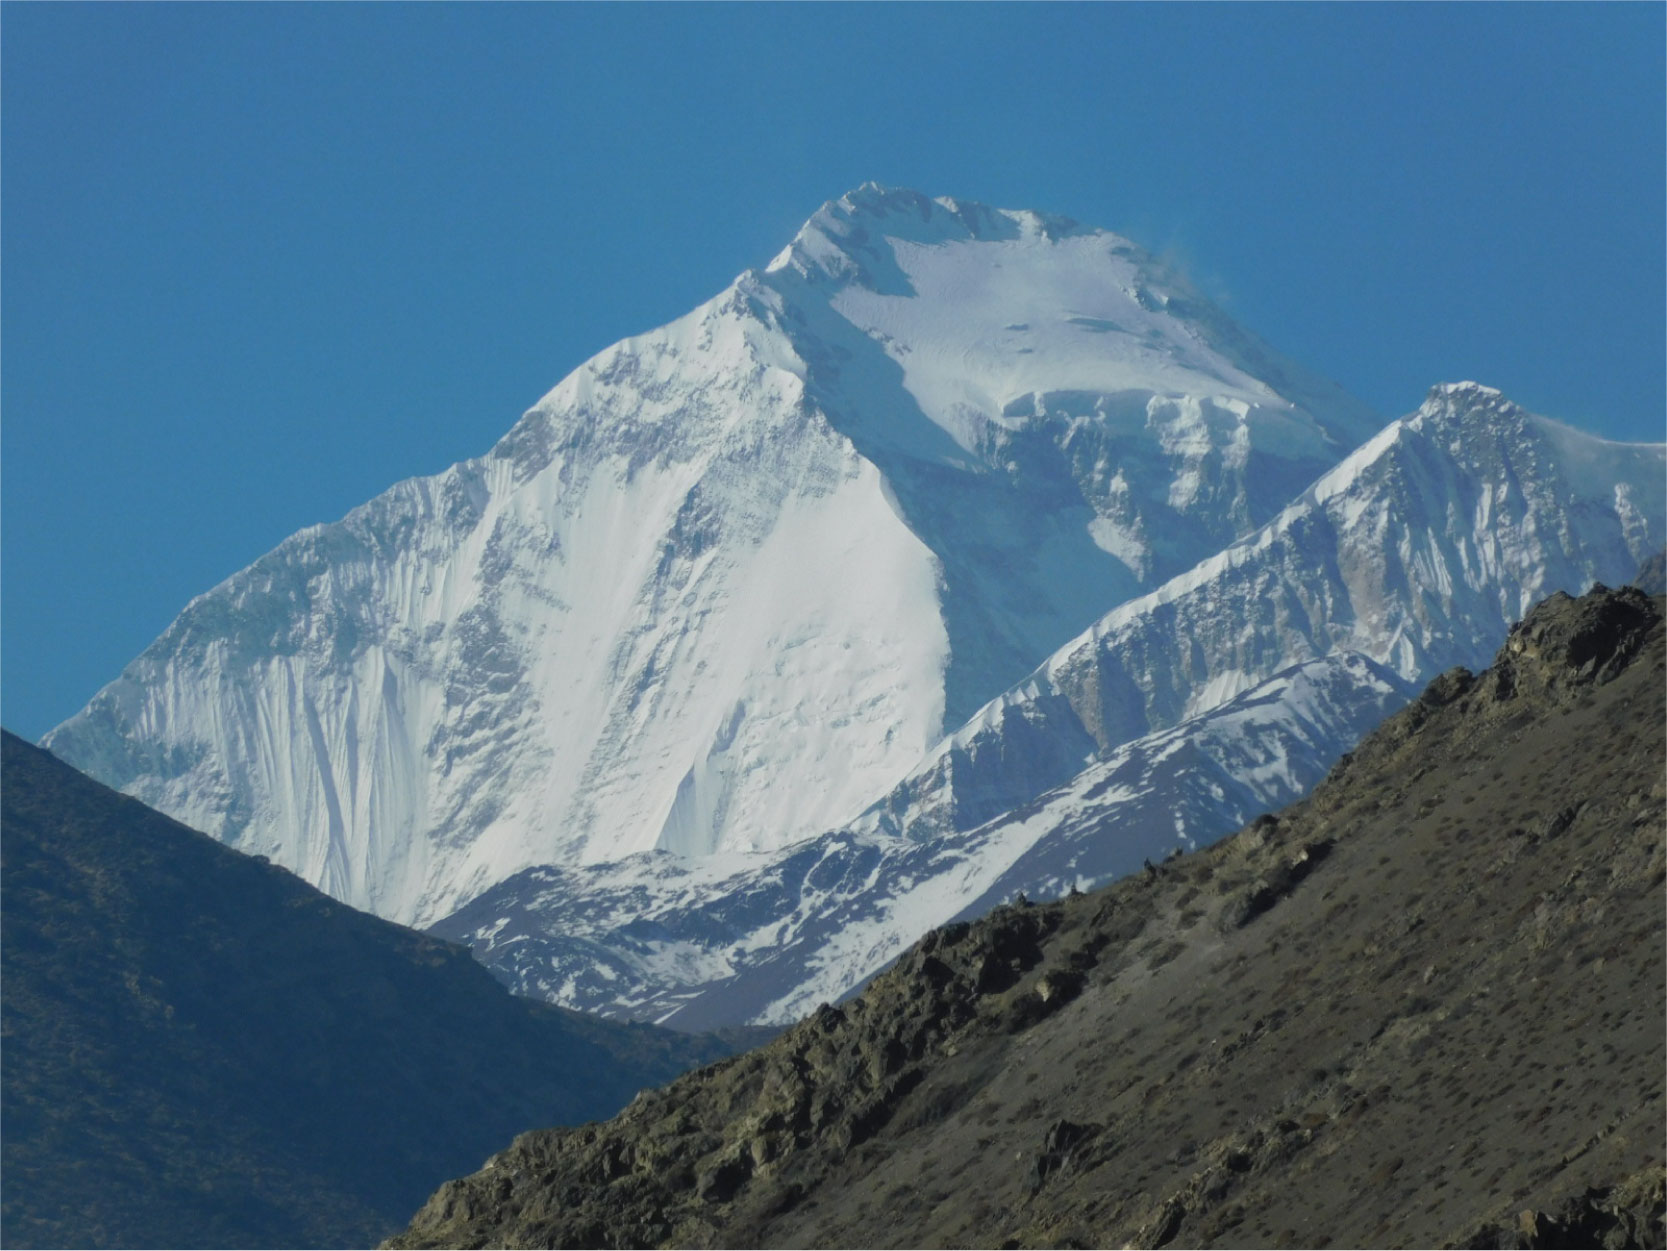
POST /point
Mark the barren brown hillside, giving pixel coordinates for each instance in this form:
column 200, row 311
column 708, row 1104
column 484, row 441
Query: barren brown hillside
column 1424, row 1007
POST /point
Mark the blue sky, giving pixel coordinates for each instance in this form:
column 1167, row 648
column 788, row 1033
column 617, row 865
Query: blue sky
column 258, row 262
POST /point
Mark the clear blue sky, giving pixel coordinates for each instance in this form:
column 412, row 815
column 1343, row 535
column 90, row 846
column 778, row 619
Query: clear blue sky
column 258, row 262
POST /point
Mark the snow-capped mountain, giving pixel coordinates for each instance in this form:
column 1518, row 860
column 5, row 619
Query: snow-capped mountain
column 725, row 585
column 1171, row 721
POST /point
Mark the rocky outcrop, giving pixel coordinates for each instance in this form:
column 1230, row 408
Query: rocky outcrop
column 1406, row 1011
column 1565, row 642
column 1627, row 1215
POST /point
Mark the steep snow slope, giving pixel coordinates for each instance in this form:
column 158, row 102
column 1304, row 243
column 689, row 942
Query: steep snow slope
column 766, row 937
column 1413, row 555
column 728, row 581
column 1062, row 421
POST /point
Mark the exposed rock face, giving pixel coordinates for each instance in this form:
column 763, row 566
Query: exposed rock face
column 1423, row 1006
column 1627, row 1215
column 1570, row 643
column 203, row 1051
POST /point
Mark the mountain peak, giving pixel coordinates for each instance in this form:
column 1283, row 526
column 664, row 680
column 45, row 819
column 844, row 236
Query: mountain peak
column 848, row 226
column 980, row 427
column 878, row 200
column 1467, row 406
column 875, row 197
column 1466, row 388
column 1461, row 396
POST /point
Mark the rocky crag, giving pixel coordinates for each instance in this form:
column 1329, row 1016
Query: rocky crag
column 1422, row 1007
column 200, row 1050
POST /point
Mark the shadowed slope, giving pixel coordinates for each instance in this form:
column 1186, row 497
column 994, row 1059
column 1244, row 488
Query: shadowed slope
column 202, row 1050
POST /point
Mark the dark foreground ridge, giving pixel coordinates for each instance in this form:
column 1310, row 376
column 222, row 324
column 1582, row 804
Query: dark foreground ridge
column 200, row 1050
column 1423, row 1007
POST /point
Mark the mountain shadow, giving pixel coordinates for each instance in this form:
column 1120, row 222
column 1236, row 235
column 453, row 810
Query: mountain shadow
column 200, row 1050
column 1422, row 1007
